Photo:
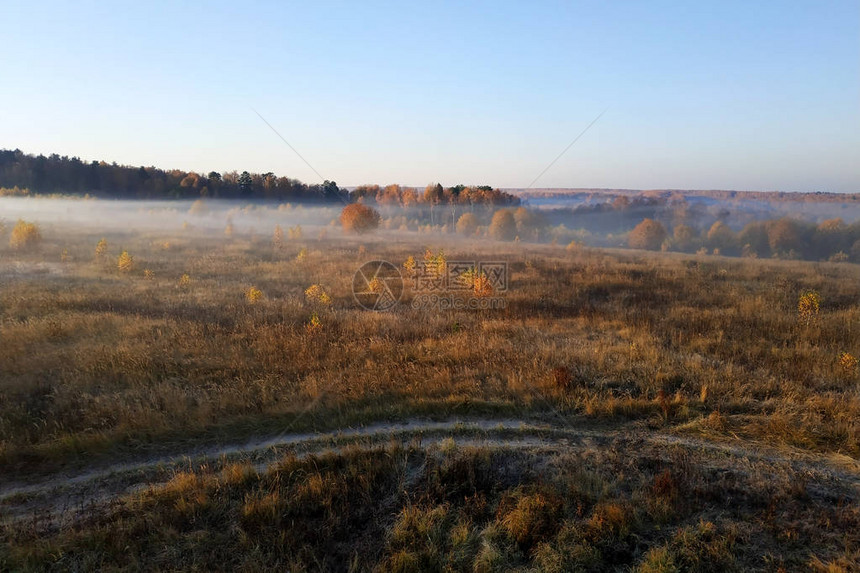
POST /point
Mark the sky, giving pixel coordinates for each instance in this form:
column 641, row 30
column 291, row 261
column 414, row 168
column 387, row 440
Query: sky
column 697, row 95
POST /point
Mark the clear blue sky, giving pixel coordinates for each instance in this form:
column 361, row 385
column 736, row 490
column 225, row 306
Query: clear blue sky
column 706, row 95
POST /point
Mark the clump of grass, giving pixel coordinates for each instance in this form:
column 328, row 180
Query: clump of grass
column 530, row 517
column 562, row 378
column 25, row 235
column 302, row 256
column 125, row 262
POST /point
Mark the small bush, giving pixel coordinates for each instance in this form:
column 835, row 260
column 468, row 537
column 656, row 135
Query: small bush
column 278, row 237
column 253, row 295
column 314, row 325
column 316, row 294
column 25, row 235
column 101, row 248
column 125, row 262
column 808, row 306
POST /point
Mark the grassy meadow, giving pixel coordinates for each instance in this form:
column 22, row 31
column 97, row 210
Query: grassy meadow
column 195, row 337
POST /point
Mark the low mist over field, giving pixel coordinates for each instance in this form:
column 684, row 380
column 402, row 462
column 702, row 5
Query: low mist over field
column 119, row 215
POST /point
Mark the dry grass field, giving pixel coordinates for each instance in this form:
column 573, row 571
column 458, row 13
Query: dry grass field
column 664, row 412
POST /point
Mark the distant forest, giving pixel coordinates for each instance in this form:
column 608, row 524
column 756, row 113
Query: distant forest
column 23, row 174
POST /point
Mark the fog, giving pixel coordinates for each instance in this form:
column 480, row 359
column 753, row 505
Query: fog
column 117, row 215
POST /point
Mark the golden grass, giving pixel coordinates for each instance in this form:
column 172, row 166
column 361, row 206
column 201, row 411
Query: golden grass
column 92, row 362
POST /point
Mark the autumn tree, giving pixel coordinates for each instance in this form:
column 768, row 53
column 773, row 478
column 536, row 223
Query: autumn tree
column 467, row 224
column 649, row 234
column 784, row 235
column 753, row 240
column 503, row 227
column 721, row 236
column 684, row 236
column 529, row 223
column 358, row 218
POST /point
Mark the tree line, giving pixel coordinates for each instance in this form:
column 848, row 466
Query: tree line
column 24, row 174
column 788, row 238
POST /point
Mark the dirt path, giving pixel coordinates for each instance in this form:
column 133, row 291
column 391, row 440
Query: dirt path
column 69, row 494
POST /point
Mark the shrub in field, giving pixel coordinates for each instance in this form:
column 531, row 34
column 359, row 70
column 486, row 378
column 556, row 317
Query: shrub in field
column 295, row 233
column 316, row 294
column 278, row 237
column 808, row 306
column 148, row 274
column 229, row 230
column 184, row 282
column 649, row 234
column 375, row 285
column 314, row 325
column 253, row 295
column 101, row 248
column 503, row 226
column 64, row 256
column 125, row 262
column 25, row 235
column 847, row 365
column 409, row 265
column 467, row 224
column 434, row 265
column 358, row 218
column 477, row 282
column 302, row 256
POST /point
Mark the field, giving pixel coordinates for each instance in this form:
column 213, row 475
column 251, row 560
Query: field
column 193, row 406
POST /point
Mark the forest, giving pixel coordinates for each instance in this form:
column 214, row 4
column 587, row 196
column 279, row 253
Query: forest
column 24, row 174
